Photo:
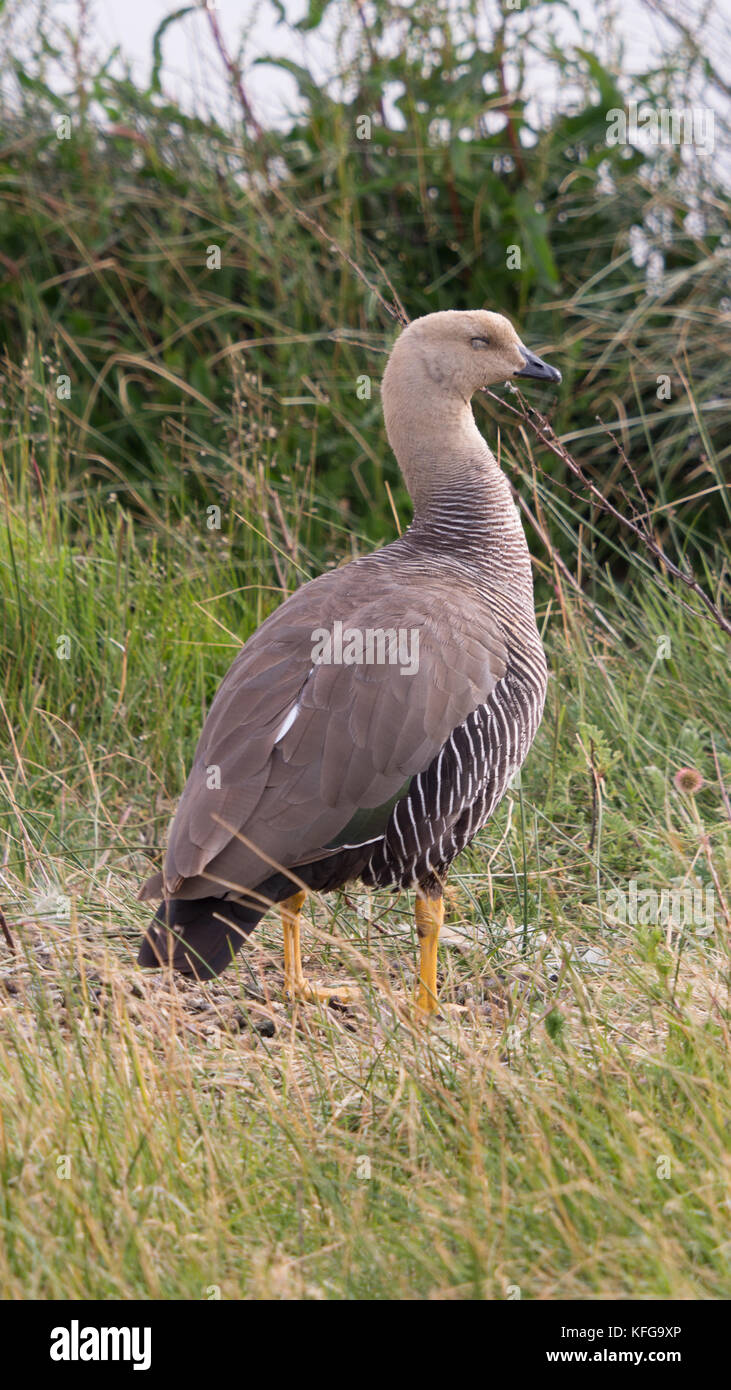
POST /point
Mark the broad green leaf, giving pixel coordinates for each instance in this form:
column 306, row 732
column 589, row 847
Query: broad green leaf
column 314, row 14
column 157, row 43
column 534, row 226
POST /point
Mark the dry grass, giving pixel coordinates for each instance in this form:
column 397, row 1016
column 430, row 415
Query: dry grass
column 562, row 1131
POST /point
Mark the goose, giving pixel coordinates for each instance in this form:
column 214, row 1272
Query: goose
column 370, row 726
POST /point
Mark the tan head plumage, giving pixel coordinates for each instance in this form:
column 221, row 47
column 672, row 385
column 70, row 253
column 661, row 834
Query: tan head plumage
column 458, row 351
column 434, row 369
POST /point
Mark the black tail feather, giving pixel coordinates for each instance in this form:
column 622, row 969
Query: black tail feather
column 198, row 936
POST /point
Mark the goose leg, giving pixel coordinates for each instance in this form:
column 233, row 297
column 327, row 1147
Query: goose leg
column 295, row 984
column 429, row 914
column 290, row 910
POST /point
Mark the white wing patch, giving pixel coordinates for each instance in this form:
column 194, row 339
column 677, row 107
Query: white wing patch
column 289, row 718
column 287, row 723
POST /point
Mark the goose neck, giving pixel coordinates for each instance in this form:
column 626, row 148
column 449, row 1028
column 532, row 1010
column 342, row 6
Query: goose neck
column 463, row 503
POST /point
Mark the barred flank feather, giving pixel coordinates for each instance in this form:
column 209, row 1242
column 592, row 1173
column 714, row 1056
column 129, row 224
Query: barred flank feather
column 455, row 797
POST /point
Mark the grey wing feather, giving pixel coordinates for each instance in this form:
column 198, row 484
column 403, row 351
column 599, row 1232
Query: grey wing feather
column 359, row 731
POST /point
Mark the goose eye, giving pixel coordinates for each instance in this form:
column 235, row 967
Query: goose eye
column 478, row 343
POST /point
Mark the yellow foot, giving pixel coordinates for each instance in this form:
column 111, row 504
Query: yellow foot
column 295, row 984
column 436, row 1011
column 322, row 994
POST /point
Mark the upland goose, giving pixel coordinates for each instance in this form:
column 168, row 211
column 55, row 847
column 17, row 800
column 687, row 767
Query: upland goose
column 370, row 726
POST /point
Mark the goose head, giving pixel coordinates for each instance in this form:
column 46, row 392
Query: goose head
column 460, row 351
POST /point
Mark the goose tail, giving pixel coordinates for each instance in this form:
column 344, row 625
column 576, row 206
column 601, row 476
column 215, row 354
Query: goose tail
column 198, row 936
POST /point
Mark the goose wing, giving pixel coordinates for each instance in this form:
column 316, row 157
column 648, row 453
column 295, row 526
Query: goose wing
column 294, row 749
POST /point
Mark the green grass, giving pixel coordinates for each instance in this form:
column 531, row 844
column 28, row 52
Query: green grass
column 105, row 239
column 564, row 1132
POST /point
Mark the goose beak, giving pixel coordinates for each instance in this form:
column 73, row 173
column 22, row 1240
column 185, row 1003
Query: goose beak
column 535, row 366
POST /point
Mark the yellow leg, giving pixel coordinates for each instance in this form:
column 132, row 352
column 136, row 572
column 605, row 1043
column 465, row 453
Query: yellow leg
column 295, row 984
column 429, row 919
column 291, row 908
